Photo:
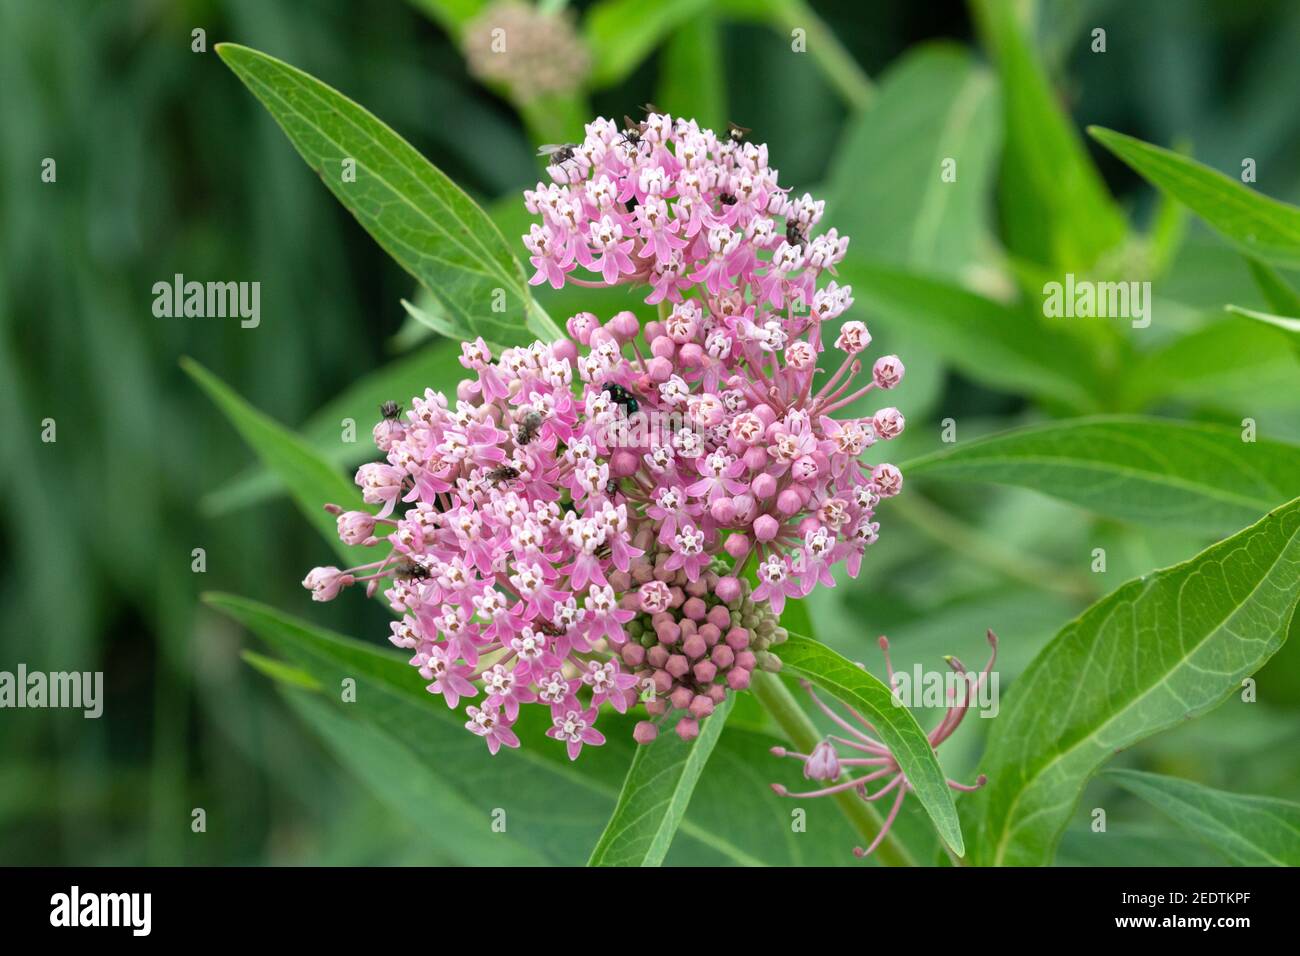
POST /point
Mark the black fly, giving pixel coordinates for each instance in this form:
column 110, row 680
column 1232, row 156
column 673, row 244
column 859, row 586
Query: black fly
column 621, row 396
column 528, row 428
column 794, row 234
column 503, row 473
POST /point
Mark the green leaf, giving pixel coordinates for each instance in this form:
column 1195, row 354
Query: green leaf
column 1262, row 227
column 1284, row 322
column 894, row 723
column 311, row 481
column 420, row 217
column 1123, row 845
column 280, row 671
column 435, row 366
column 1055, row 208
column 1243, row 363
column 622, row 33
column 451, row 15
column 1161, row 649
column 1252, row 831
column 691, row 78
column 1148, row 470
column 655, row 794
column 1280, row 294
column 887, row 190
column 411, row 743
column 1005, row 347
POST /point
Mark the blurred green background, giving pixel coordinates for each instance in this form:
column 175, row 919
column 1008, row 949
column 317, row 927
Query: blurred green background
column 166, row 164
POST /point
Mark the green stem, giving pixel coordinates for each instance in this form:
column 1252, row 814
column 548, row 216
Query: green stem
column 924, row 515
column 803, row 734
column 835, row 62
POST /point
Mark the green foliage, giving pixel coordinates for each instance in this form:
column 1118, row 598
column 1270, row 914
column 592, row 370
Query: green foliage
column 621, row 33
column 1250, row 831
column 435, row 366
column 1164, row 473
column 1055, row 208
column 415, row 752
column 311, row 481
column 165, row 167
column 1160, row 650
column 887, row 187
column 655, row 794
column 1006, row 347
column 420, row 217
column 1261, row 227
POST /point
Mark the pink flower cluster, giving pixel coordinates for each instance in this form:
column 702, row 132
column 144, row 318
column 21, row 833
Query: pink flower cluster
column 566, row 517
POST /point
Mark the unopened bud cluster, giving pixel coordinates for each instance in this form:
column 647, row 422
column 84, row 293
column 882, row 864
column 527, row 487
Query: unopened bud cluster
column 704, row 638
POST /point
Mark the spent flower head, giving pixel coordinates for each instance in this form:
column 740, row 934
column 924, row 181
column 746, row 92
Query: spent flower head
column 851, row 763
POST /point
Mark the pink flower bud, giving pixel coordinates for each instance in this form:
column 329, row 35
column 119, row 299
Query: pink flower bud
column 690, row 355
column 766, row 528
column 788, row 502
column 887, row 372
column 581, row 327
column 625, row 325
column 701, row 706
column 355, row 526
column 887, row 480
column 565, row 349
column 728, row 587
column 737, row 678
column 763, row 486
column 659, row 369
column 853, row 337
column 888, row 422
column 663, row 347
column 688, row 728
column 823, row 763
column 325, row 583
column 723, row 511
column 755, row 457
column 644, row 732
column 623, row 463
column 737, row 545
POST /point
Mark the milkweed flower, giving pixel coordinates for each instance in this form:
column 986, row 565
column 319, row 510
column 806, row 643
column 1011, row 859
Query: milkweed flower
column 865, row 759
column 573, row 526
column 535, row 53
